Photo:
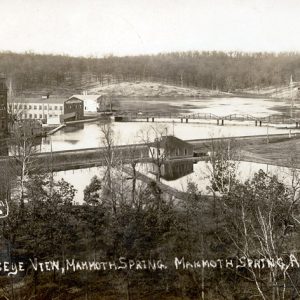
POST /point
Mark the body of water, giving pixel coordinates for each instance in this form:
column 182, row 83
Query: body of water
column 201, row 176
column 90, row 135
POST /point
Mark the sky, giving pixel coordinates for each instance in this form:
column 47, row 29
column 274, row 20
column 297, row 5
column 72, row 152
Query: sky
column 133, row 27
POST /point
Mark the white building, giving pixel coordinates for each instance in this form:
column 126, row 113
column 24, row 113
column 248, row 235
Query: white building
column 36, row 108
column 91, row 102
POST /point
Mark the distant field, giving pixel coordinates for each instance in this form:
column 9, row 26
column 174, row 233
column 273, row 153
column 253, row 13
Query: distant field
column 281, row 152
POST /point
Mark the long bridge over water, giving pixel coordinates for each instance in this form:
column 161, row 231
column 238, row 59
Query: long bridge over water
column 220, row 120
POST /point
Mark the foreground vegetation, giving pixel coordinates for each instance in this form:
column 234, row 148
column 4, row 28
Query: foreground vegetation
column 255, row 221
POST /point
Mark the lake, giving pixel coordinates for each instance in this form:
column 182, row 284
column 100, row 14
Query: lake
column 89, row 134
column 201, row 176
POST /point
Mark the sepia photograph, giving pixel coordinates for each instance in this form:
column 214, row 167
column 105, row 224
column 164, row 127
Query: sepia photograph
column 149, row 149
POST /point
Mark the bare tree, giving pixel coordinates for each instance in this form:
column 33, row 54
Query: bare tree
column 152, row 137
column 262, row 232
column 223, row 162
column 22, row 149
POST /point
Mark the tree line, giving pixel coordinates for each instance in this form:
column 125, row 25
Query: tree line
column 225, row 71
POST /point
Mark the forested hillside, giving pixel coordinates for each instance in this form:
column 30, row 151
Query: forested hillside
column 212, row 70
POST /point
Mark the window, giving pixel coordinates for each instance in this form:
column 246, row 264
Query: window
column 185, row 151
column 41, row 116
column 34, row 107
column 25, row 106
column 55, row 107
column 20, row 106
column 40, row 107
column 50, row 116
column 50, row 107
column 25, row 116
column 30, row 116
column 35, row 116
column 60, row 107
column 30, row 106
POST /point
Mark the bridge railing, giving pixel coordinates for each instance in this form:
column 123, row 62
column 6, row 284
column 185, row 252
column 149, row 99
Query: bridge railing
column 276, row 118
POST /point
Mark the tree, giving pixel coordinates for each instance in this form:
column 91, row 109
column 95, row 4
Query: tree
column 223, row 161
column 152, row 138
column 260, row 226
column 23, row 148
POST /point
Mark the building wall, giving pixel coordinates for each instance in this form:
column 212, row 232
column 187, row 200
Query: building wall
column 181, row 150
column 156, row 153
column 3, row 108
column 74, row 105
column 173, row 152
column 37, row 111
column 90, row 106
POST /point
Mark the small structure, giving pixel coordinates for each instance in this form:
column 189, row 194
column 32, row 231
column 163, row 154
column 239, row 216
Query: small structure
column 170, row 147
column 29, row 128
column 3, row 107
column 169, row 153
column 73, row 110
column 91, row 102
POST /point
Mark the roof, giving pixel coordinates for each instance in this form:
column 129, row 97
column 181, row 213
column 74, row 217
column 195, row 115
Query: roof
column 67, row 116
column 169, row 142
column 38, row 100
column 86, row 97
column 74, row 100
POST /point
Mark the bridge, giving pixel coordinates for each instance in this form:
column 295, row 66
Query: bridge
column 220, row 120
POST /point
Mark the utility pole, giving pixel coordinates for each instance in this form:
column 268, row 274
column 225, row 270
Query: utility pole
column 291, row 94
column 173, row 128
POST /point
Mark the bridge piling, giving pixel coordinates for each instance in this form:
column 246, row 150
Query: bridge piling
column 186, row 120
column 152, row 119
column 222, row 122
column 147, row 119
column 260, row 122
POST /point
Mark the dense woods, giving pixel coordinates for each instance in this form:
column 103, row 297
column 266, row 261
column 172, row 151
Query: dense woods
column 212, row 70
column 208, row 243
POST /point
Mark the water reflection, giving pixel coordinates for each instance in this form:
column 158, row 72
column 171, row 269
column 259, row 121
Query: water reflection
column 200, row 176
column 172, row 170
column 136, row 132
column 73, row 128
